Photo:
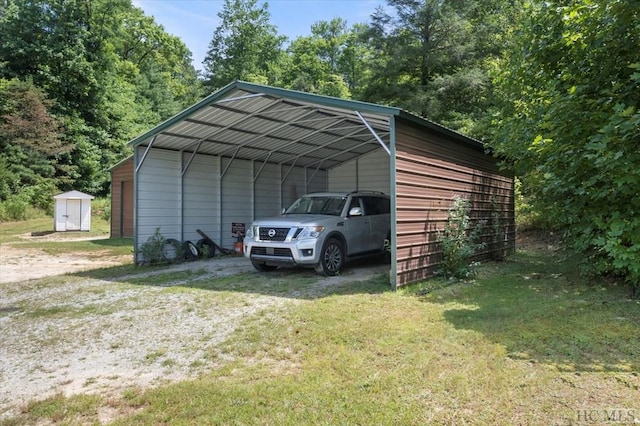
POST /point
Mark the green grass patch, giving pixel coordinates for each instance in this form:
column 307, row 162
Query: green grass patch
column 529, row 341
column 60, row 409
column 168, row 278
column 10, row 231
column 541, row 310
column 89, row 248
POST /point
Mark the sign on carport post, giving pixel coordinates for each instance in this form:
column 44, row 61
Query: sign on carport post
column 237, row 232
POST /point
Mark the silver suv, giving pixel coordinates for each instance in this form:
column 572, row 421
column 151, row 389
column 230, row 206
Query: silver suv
column 321, row 230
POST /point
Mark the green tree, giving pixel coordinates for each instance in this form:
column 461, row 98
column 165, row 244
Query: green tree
column 317, row 63
column 30, row 139
column 431, row 56
column 111, row 71
column 570, row 124
column 245, row 46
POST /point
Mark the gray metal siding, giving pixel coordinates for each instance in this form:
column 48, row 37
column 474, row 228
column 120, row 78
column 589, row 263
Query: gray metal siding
column 159, row 195
column 373, row 172
column 236, row 198
column 201, row 194
column 343, row 178
column 316, row 180
column 430, row 171
column 368, row 173
column 294, row 185
column 266, row 196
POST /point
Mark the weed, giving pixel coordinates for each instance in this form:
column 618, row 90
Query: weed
column 460, row 241
column 158, row 250
column 153, row 249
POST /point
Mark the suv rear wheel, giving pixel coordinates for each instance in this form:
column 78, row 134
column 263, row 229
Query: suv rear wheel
column 331, row 258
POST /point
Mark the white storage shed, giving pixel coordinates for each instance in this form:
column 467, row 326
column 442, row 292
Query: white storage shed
column 72, row 211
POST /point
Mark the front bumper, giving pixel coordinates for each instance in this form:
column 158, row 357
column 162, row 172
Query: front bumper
column 305, row 252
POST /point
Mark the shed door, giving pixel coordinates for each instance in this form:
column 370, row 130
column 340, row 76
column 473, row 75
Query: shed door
column 126, row 207
column 74, row 215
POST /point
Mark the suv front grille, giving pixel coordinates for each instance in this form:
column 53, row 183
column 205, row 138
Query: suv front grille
column 268, row 251
column 277, row 234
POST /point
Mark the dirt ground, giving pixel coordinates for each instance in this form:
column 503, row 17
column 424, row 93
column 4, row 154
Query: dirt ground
column 74, row 334
column 17, row 264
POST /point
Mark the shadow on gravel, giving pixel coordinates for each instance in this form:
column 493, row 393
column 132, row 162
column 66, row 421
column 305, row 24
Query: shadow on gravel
column 235, row 274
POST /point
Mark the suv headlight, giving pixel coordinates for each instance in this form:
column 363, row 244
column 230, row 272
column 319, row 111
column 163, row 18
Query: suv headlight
column 251, row 232
column 310, row 232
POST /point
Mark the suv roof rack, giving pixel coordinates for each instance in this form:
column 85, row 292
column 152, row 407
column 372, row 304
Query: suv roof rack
column 367, row 192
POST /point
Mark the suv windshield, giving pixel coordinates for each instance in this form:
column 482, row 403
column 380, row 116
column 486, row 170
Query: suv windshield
column 317, row 205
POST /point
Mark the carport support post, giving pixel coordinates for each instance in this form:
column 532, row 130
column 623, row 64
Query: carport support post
column 375, row 135
column 393, row 272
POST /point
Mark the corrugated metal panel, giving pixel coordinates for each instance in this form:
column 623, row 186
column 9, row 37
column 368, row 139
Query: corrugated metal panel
column 293, row 185
column 201, row 194
column 159, row 195
column 316, row 180
column 236, row 198
column 343, row 178
column 266, row 199
column 429, row 172
column 369, row 172
column 373, row 172
column 292, row 128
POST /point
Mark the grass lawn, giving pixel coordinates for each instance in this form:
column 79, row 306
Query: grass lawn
column 530, row 341
column 96, row 242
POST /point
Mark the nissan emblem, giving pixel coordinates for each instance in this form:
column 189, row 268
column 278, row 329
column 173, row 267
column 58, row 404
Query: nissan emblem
column 271, row 233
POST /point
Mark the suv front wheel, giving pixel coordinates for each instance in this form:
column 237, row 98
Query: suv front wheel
column 331, row 258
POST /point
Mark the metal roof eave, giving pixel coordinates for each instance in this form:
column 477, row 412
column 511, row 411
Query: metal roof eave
column 309, row 98
column 423, row 122
column 312, row 98
column 213, row 97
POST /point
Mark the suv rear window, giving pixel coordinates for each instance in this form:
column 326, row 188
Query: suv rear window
column 376, row 205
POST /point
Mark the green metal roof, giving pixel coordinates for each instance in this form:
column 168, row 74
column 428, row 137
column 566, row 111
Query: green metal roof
column 256, row 122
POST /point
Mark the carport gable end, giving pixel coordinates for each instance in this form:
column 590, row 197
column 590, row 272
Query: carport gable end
column 248, row 150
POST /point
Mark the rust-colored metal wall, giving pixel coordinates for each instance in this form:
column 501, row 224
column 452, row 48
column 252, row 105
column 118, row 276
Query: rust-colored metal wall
column 430, row 171
column 122, row 199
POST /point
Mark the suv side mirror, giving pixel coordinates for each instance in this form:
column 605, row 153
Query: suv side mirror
column 355, row 211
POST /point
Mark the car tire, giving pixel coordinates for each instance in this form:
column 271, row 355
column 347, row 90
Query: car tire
column 172, row 250
column 191, row 252
column 331, row 258
column 206, row 246
column 386, row 250
column 262, row 267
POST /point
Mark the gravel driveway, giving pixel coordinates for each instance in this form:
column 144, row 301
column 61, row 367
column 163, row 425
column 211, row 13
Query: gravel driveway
column 73, row 334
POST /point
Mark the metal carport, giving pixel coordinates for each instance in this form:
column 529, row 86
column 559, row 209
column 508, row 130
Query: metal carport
column 247, row 150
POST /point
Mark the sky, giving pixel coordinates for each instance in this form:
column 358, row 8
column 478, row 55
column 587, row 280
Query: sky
column 194, row 21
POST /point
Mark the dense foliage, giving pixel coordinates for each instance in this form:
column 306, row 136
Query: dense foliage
column 78, row 79
column 570, row 124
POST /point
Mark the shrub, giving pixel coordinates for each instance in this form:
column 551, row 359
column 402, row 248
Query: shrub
column 460, row 241
column 153, row 249
column 158, row 250
column 102, row 208
column 17, row 207
column 497, row 232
